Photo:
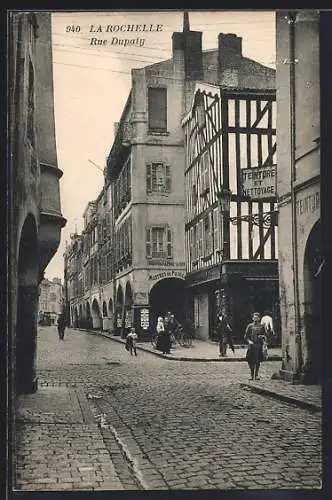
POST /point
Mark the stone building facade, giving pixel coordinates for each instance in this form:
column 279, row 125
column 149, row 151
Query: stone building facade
column 146, row 170
column 145, row 177
column 50, row 301
column 89, row 268
column 301, row 263
column 35, row 211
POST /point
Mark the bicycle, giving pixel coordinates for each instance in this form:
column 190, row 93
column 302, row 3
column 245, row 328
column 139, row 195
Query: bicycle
column 154, row 339
column 181, row 337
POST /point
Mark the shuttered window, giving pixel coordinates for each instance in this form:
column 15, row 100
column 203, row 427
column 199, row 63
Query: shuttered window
column 207, row 234
column 169, row 243
column 158, row 178
column 159, row 243
column 217, row 229
column 157, row 109
column 148, row 243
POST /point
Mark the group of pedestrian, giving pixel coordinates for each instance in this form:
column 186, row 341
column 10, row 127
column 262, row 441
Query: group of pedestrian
column 165, row 328
column 258, row 335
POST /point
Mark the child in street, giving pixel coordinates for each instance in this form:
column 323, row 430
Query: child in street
column 131, row 341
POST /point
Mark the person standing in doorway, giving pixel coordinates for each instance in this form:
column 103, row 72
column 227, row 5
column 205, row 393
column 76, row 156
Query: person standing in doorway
column 160, row 329
column 224, row 332
column 254, row 336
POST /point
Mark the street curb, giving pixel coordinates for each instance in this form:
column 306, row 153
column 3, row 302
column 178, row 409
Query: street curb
column 282, row 397
column 171, row 357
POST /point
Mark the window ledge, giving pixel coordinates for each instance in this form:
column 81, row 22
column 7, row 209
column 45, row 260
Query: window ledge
column 155, row 132
column 158, row 193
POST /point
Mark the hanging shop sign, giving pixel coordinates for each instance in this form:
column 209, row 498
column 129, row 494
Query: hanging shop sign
column 119, row 320
column 128, row 318
column 144, row 319
column 259, row 182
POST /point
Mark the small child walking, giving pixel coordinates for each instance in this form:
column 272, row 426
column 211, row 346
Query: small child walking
column 131, row 341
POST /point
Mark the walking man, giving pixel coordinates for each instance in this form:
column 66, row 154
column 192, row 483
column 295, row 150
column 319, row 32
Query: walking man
column 224, row 332
column 61, row 326
column 254, row 336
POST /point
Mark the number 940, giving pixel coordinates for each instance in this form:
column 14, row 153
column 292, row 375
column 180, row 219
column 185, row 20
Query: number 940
column 73, row 29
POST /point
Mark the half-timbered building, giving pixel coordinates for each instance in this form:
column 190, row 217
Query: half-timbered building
column 230, row 222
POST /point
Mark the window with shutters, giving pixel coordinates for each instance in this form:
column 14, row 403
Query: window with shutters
column 204, row 173
column 157, row 109
column 207, row 235
column 217, row 229
column 194, row 243
column 158, row 178
column 159, row 242
column 200, row 239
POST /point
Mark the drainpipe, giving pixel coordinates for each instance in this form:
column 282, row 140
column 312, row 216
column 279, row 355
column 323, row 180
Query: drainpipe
column 292, row 95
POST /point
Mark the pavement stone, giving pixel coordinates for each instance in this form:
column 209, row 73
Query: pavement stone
column 176, row 425
column 199, row 351
column 51, row 423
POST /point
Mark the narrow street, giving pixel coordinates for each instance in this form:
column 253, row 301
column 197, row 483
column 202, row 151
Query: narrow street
column 170, row 424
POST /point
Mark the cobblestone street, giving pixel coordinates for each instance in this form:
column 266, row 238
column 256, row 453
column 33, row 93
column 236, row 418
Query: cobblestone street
column 166, row 424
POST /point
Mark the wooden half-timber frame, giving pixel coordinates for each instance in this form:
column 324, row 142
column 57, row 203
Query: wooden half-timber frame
column 225, row 132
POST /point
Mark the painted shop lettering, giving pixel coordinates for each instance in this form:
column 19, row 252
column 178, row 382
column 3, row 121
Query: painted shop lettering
column 258, row 191
column 259, row 182
column 166, row 274
column 309, row 204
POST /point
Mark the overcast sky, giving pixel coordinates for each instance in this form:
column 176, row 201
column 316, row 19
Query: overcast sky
column 92, row 83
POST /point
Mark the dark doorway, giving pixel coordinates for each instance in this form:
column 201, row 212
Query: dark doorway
column 119, row 305
column 312, row 272
column 128, row 308
column 167, row 295
column 96, row 315
column 88, row 316
column 27, row 309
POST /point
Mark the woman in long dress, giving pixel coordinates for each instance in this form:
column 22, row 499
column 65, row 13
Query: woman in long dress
column 163, row 341
column 255, row 333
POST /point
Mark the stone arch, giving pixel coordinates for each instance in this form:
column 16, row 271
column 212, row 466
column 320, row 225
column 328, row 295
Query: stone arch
column 119, row 310
column 80, row 316
column 105, row 319
column 75, row 317
column 128, row 307
column 167, row 294
column 110, row 315
column 88, row 316
column 110, row 306
column 96, row 315
column 313, row 265
column 27, row 308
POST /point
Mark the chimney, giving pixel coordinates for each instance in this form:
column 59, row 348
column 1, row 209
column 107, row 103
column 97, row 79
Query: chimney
column 229, row 49
column 187, row 51
column 229, row 56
